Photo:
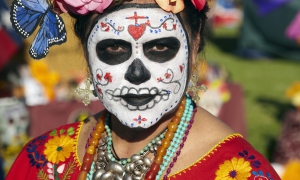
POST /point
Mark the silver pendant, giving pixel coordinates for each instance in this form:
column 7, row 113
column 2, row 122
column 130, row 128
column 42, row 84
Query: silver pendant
column 135, row 169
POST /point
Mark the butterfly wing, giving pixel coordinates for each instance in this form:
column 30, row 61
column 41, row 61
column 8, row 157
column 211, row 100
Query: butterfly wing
column 52, row 31
column 26, row 15
column 40, row 46
column 56, row 33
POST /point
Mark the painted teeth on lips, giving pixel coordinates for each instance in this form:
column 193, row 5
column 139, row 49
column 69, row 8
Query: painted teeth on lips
column 142, row 91
column 138, row 100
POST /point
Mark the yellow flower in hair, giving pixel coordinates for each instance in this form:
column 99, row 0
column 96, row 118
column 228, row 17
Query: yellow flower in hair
column 58, row 149
column 236, row 168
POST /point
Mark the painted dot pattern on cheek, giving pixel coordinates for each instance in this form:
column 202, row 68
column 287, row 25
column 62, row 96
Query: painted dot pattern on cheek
column 174, row 27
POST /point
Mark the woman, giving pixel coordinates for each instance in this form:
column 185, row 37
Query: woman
column 140, row 56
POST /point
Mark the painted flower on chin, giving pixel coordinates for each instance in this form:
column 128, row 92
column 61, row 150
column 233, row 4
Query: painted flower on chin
column 236, row 168
column 82, row 6
column 58, row 149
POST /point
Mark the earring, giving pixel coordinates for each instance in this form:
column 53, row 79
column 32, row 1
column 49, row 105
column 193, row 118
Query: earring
column 86, row 91
column 195, row 88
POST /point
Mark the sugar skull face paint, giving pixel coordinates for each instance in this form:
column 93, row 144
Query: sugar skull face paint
column 139, row 60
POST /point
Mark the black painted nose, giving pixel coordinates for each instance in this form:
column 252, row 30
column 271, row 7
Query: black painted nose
column 137, row 73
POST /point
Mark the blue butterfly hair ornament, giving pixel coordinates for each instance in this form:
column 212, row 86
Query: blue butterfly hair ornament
column 27, row 15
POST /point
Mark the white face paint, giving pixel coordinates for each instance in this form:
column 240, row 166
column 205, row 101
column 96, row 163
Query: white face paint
column 139, row 60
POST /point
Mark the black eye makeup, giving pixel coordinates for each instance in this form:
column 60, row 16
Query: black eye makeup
column 113, row 51
column 161, row 50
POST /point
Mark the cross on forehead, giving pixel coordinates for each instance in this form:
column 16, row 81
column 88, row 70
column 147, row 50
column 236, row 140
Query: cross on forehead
column 136, row 17
column 86, row 91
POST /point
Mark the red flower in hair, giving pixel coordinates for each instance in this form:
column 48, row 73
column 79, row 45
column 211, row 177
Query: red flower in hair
column 199, row 4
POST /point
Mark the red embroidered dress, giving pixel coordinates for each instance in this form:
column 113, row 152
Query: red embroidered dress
column 53, row 156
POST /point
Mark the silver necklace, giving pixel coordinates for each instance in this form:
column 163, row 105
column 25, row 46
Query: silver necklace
column 133, row 168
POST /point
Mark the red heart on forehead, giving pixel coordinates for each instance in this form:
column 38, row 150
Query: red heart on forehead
column 136, row 31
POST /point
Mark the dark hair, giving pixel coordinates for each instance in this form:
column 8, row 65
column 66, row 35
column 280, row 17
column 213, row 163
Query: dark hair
column 195, row 19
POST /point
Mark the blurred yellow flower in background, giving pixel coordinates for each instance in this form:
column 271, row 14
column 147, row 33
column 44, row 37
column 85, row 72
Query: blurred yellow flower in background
column 292, row 170
column 293, row 93
column 48, row 79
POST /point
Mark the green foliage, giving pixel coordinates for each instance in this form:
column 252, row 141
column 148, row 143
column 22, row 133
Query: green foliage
column 42, row 175
column 53, row 132
column 264, row 83
column 69, row 170
column 71, row 131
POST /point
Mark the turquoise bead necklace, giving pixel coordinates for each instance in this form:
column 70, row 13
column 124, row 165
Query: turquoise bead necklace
column 91, row 172
column 178, row 136
column 151, row 146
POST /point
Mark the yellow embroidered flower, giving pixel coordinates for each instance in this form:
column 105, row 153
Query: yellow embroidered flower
column 58, row 148
column 236, row 168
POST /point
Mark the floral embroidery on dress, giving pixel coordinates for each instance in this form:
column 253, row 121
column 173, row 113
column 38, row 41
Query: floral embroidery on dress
column 236, row 168
column 241, row 168
column 36, row 159
column 54, row 171
column 259, row 175
column 251, row 158
column 57, row 147
column 51, row 169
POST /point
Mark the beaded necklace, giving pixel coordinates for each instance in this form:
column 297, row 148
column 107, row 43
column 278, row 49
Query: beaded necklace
column 88, row 157
column 138, row 165
column 171, row 142
column 178, row 135
column 181, row 145
column 151, row 147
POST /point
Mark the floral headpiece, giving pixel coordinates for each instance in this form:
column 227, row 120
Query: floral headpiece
column 27, row 15
column 83, row 7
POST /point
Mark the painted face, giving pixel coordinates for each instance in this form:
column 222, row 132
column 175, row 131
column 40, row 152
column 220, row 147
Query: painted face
column 139, row 60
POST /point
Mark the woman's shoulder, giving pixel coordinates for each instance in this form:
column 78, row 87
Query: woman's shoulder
column 211, row 146
column 232, row 158
column 71, row 130
column 208, row 128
